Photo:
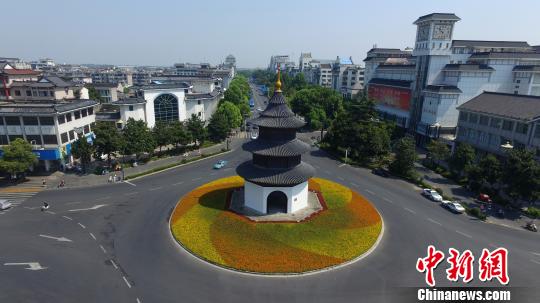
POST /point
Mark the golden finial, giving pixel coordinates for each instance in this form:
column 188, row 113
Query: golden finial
column 278, row 81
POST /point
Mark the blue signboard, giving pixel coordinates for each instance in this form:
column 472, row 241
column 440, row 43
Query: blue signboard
column 47, row 154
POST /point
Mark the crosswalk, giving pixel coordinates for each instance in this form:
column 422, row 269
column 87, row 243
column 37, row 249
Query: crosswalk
column 17, row 195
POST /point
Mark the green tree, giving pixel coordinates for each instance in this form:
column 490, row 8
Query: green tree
column 312, row 101
column 218, row 128
column 438, row 151
column 234, row 94
column 108, row 139
column 179, row 134
column 83, row 151
column 462, row 159
column 232, row 113
column 93, row 94
column 162, row 134
column 196, row 129
column 18, row 157
column 521, row 175
column 405, row 150
column 138, row 138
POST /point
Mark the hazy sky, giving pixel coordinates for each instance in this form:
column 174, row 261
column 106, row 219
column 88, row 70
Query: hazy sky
column 162, row 32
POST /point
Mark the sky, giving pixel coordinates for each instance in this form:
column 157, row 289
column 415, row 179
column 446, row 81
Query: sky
column 164, row 32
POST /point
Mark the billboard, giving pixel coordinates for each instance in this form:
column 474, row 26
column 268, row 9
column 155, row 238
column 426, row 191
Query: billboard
column 399, row 98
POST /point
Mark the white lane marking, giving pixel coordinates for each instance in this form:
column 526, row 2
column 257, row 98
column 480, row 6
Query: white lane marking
column 316, row 166
column 342, row 164
column 67, row 218
column 464, row 234
column 103, row 249
column 127, row 283
column 102, row 198
column 212, row 174
column 31, row 207
column 355, row 185
column 138, row 301
column 534, row 261
column 340, row 178
column 388, row 200
column 31, row 265
column 178, row 183
column 90, row 208
column 130, row 183
column 51, row 212
column 81, row 225
column 433, row 221
column 114, row 264
column 131, row 194
column 535, row 253
column 155, row 188
column 70, row 203
column 327, row 172
column 59, row 239
column 92, row 235
column 410, row 210
column 370, row 192
column 199, row 178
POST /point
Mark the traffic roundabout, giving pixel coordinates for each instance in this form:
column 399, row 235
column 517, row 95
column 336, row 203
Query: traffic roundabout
column 348, row 228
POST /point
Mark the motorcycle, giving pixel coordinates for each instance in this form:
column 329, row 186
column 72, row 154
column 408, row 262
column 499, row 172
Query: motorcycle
column 531, row 226
column 45, row 206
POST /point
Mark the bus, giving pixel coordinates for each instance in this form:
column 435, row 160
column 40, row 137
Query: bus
column 251, row 102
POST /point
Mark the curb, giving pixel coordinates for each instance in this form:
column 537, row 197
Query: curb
column 276, row 275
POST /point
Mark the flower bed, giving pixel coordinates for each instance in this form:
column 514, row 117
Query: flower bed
column 346, row 229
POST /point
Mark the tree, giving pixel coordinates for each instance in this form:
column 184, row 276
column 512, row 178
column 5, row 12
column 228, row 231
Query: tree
column 18, row 157
column 438, row 151
column 218, row 128
column 108, row 139
column 234, row 94
column 161, row 134
column 491, row 170
column 196, row 129
column 311, row 102
column 232, row 113
column 462, row 159
column 83, row 151
column 137, row 138
column 405, row 157
column 522, row 175
column 93, row 94
column 179, row 134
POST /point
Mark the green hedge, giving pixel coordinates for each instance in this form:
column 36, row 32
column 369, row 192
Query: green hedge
column 533, row 212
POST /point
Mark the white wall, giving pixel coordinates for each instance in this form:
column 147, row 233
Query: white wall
column 255, row 196
column 137, row 113
column 151, row 95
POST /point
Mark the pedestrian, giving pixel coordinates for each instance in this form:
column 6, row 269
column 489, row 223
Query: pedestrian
column 43, row 182
column 62, row 183
column 110, row 179
column 114, row 178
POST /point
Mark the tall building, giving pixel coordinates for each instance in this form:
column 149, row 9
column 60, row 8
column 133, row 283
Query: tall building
column 283, row 61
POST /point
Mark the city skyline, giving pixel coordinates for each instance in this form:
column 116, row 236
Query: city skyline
column 163, row 34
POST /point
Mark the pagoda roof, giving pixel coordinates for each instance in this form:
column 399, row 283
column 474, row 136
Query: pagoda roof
column 275, row 176
column 288, row 148
column 277, row 114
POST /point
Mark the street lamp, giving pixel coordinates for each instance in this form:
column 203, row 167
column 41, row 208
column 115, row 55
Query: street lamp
column 347, row 154
column 507, row 146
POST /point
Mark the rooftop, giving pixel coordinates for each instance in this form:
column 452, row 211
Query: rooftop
column 491, row 44
column 197, row 96
column 443, row 89
column 527, row 68
column 22, row 108
column 505, row 55
column 437, row 16
column 390, row 82
column 129, row 101
column 520, row 107
column 397, row 66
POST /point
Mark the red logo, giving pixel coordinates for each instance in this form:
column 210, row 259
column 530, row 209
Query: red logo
column 494, row 265
column 429, row 263
column 460, row 265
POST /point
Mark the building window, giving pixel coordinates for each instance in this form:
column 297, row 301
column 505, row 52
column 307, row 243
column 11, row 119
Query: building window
column 473, row 118
column 495, row 123
column 30, row 120
column 46, row 121
column 29, row 93
column 166, row 108
column 463, row 116
column 199, row 102
column 77, row 115
column 518, row 81
column 516, row 92
column 90, row 111
column 64, row 137
column 86, row 129
column 508, row 125
column 33, row 139
column 50, row 139
column 71, row 135
column 84, row 112
column 68, row 117
column 199, row 114
column 17, row 93
column 131, row 108
column 61, row 119
column 484, row 120
column 522, row 128
column 13, row 121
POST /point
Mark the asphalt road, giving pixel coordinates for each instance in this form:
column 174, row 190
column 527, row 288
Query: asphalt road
column 120, row 248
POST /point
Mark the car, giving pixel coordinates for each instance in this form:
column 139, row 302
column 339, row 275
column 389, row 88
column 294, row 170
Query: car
column 453, row 206
column 483, row 198
column 4, row 204
column 432, row 194
column 260, row 109
column 381, row 172
column 220, row 164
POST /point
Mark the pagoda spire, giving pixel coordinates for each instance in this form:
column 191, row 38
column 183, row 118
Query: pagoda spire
column 278, row 80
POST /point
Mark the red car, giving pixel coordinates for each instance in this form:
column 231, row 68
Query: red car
column 484, row 198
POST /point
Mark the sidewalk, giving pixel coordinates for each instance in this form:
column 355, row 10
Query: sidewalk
column 74, row 180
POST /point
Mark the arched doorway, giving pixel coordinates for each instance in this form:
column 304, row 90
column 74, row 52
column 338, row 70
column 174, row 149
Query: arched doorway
column 276, row 202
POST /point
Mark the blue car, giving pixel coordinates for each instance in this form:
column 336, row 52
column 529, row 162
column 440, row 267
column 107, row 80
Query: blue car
column 220, row 164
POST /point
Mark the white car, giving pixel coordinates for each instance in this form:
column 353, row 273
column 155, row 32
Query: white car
column 432, row 194
column 4, row 204
column 454, row 207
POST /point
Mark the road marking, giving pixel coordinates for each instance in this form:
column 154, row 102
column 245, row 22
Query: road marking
column 31, row 208
column 316, row 166
column 59, row 239
column 340, row 178
column 81, row 225
column 102, row 198
column 92, row 235
column 70, row 203
column 410, row 210
column 67, row 218
column 130, row 183
column 51, row 212
column 342, row 164
column 463, row 234
column 196, row 179
column 535, row 253
column 388, row 200
column 370, row 192
column 103, row 249
column 90, row 208
column 131, row 194
column 534, row 261
column 433, row 221
column 114, row 264
column 31, row 265
column 127, row 283
column 178, row 183
column 355, row 185
column 155, row 188
column 138, row 301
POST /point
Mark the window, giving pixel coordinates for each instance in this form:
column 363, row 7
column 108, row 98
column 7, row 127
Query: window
column 42, row 93
column 51, row 93
column 516, row 92
column 518, row 81
column 90, row 111
column 185, row 91
column 29, row 93
column 34, row 139
column 508, row 125
column 68, row 117
column 46, row 120
column 17, row 93
column 522, row 128
column 86, row 129
column 13, row 121
column 199, row 102
column 64, row 137
column 537, row 131
column 71, row 135
column 463, row 116
column 30, row 120
column 517, row 86
column 473, row 118
column 77, row 115
column 50, row 139
column 166, row 108
column 484, row 120
column 200, row 114
column 495, row 123
column 61, row 119
column 131, row 108
column 84, row 112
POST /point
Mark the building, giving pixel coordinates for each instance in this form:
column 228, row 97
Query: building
column 347, row 77
column 490, row 120
column 43, row 64
column 230, row 61
column 444, row 73
column 9, row 75
column 50, row 127
column 46, row 88
column 283, row 61
column 113, row 76
column 276, row 178
column 109, row 92
column 141, row 77
column 16, row 63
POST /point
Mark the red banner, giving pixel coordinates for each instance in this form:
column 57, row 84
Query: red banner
column 399, row 98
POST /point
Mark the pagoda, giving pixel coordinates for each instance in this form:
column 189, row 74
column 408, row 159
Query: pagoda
column 275, row 177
